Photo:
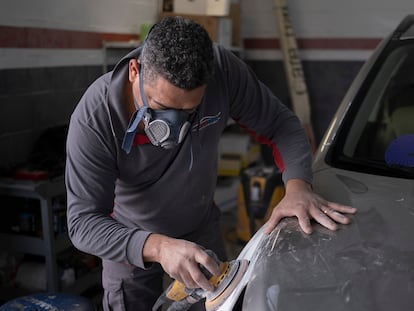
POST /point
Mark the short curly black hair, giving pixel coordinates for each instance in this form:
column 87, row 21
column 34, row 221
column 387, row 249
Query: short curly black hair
column 180, row 50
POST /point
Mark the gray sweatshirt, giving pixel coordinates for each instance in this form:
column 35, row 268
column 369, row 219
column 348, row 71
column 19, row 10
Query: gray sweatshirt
column 115, row 200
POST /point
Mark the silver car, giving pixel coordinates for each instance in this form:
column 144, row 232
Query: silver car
column 365, row 160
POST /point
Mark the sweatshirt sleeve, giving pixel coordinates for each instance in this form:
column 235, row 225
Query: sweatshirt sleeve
column 266, row 118
column 90, row 177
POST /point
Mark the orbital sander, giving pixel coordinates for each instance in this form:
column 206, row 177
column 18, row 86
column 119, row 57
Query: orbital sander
column 181, row 298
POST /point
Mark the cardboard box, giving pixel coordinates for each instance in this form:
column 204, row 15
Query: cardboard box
column 219, row 28
column 202, row 7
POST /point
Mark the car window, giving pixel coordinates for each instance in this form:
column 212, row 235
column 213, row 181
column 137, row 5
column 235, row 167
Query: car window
column 381, row 131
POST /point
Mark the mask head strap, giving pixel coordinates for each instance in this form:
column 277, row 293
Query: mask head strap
column 139, row 113
column 137, row 116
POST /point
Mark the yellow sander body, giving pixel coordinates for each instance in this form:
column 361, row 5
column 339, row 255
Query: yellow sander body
column 230, row 275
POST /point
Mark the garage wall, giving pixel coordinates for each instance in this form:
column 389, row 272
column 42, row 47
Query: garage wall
column 334, row 37
column 326, row 29
column 73, row 29
column 51, row 50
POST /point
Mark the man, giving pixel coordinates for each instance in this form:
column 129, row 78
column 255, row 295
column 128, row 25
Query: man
column 142, row 161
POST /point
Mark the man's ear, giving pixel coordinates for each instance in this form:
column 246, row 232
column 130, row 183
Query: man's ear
column 133, row 71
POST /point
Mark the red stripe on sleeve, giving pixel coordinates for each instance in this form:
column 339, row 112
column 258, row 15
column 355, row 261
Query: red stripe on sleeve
column 140, row 139
column 265, row 141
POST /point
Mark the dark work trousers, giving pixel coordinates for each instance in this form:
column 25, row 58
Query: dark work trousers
column 128, row 288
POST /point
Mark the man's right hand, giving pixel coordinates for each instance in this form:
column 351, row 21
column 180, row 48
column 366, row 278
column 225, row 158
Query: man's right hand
column 181, row 260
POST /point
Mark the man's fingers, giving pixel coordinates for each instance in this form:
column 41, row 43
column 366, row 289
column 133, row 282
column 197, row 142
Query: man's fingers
column 342, row 208
column 208, row 262
column 328, row 214
column 198, row 279
column 324, row 217
column 337, row 212
column 278, row 214
column 275, row 218
column 192, row 277
column 338, row 217
column 304, row 223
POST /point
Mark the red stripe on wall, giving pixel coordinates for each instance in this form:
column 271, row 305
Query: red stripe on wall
column 28, row 37
column 315, row 43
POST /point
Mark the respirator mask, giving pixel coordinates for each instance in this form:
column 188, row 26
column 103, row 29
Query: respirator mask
column 165, row 128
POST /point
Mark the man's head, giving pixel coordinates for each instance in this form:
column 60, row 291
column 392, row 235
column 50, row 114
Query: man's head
column 168, row 81
column 180, row 51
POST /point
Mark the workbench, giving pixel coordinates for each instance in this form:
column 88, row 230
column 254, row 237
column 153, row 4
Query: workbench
column 49, row 244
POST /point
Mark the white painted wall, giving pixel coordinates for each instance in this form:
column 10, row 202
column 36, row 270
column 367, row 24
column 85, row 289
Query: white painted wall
column 310, row 19
column 100, row 16
column 117, row 16
column 326, row 18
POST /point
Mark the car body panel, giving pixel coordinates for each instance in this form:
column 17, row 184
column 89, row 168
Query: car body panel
column 252, row 250
column 369, row 264
column 362, row 266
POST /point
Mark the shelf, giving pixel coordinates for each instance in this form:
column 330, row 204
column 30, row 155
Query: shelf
column 42, row 189
column 48, row 245
column 113, row 51
column 31, row 244
column 23, row 244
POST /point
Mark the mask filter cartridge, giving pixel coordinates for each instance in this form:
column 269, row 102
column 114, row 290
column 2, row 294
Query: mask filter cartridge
column 166, row 128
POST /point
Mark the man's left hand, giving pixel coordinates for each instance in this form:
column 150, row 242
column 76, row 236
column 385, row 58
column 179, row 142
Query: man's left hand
column 302, row 202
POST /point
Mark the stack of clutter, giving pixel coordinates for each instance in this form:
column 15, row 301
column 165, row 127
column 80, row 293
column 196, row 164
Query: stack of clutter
column 221, row 18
